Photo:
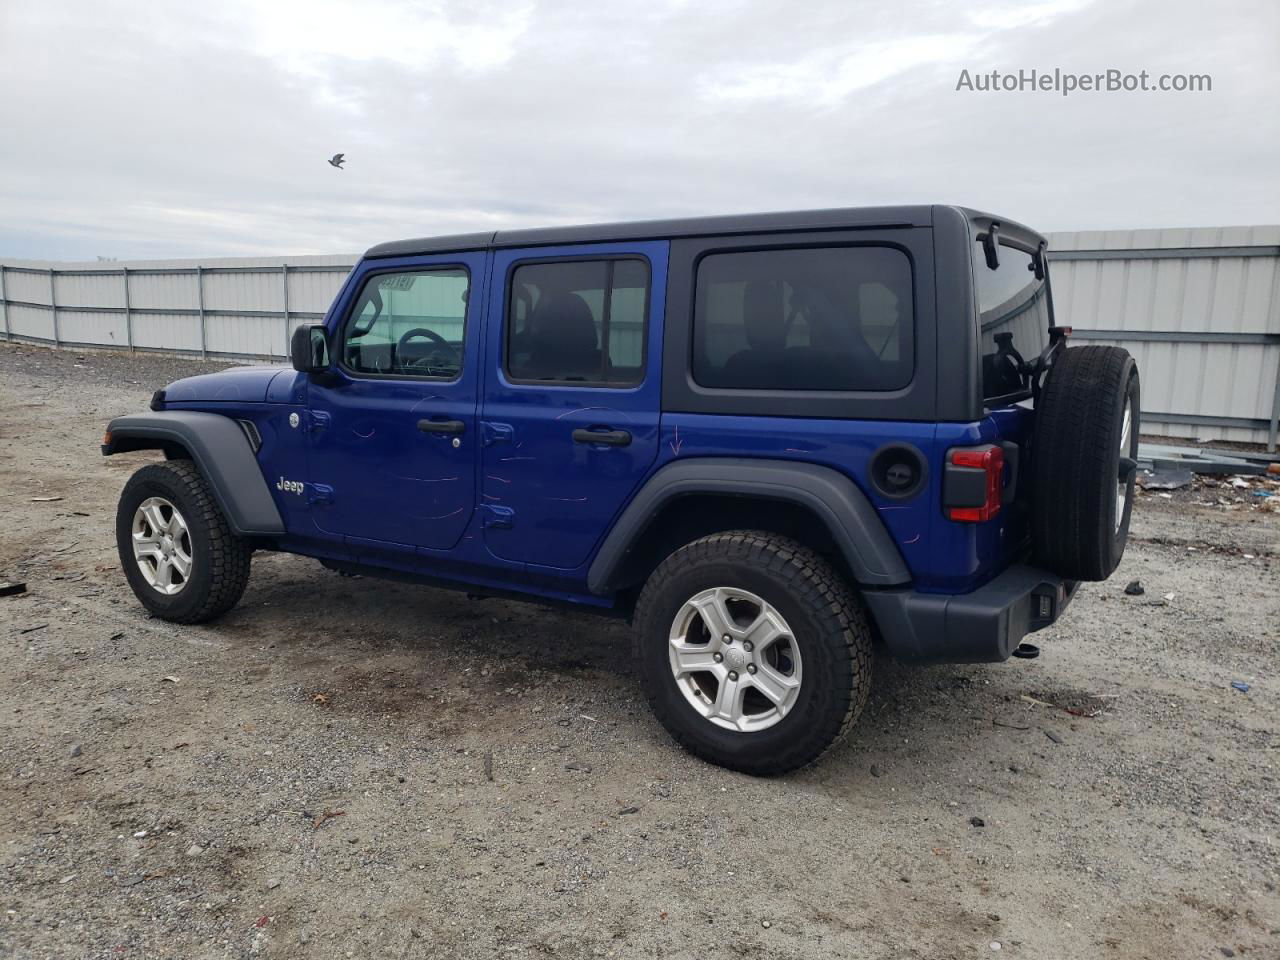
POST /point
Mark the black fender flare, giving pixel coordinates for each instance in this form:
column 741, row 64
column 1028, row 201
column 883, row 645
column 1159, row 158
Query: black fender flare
column 852, row 521
column 219, row 447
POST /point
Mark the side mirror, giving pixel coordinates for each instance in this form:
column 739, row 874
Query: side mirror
column 309, row 349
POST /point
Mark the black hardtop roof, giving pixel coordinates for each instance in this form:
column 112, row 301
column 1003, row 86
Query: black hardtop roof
column 916, row 215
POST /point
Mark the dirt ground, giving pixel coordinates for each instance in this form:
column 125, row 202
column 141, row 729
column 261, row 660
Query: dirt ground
column 353, row 768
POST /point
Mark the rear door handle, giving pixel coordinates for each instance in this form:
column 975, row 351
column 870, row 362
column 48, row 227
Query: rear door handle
column 441, row 426
column 612, row 438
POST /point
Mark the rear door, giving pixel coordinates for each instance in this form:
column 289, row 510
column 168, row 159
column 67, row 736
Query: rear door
column 392, row 430
column 572, row 395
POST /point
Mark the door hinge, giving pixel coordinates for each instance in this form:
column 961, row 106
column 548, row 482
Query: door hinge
column 496, row 517
column 492, row 433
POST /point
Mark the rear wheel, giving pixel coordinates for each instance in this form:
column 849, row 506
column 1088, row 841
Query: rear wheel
column 176, row 548
column 752, row 651
column 1084, row 461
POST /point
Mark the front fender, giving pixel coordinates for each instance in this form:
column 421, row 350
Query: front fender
column 219, row 447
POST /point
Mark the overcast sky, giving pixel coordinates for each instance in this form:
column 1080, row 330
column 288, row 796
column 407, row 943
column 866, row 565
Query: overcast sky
column 132, row 129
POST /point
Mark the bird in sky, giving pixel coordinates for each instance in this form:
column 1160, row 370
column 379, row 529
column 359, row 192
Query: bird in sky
column 337, row 161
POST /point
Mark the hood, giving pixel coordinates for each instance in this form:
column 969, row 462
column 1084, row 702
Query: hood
column 236, row 385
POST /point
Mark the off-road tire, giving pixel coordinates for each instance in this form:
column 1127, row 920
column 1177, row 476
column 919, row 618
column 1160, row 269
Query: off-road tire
column 830, row 627
column 220, row 559
column 1076, row 462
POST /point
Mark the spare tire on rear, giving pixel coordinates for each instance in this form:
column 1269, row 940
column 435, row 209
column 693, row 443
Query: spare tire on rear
column 1083, row 461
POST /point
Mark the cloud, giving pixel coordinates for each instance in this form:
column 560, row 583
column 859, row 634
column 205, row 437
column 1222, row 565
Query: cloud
column 175, row 130
column 827, row 78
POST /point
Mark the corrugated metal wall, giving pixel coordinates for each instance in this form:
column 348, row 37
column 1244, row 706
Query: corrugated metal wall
column 1199, row 309
column 243, row 307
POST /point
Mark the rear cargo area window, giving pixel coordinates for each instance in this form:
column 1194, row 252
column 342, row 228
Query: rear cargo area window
column 1013, row 318
column 826, row 318
column 578, row 321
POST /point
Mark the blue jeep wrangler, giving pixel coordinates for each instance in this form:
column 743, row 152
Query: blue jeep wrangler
column 771, row 441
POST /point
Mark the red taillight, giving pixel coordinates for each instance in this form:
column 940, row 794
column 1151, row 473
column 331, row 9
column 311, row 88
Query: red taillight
column 990, row 460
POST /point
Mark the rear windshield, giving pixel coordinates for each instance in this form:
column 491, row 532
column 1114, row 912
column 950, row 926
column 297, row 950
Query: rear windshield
column 1013, row 316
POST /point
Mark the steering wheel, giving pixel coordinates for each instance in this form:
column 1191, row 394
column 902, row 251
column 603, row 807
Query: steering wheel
column 440, row 342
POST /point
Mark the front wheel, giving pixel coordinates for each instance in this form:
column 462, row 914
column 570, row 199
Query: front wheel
column 176, row 547
column 753, row 652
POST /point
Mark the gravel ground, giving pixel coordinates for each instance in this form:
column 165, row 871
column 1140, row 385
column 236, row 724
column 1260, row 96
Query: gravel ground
column 351, row 768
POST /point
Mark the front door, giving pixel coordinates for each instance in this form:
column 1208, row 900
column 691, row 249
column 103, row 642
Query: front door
column 572, row 396
column 393, row 428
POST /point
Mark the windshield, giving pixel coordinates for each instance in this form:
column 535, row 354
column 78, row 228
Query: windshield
column 1013, row 318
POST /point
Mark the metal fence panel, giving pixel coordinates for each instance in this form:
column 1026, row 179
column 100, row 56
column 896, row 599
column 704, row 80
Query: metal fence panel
column 33, row 323
column 91, row 328
column 166, row 331
column 27, row 286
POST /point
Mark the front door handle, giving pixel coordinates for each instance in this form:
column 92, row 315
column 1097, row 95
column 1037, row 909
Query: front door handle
column 612, row 438
column 441, row 426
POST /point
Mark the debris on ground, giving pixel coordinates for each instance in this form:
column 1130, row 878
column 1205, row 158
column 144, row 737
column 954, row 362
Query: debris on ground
column 1051, row 735
column 12, row 589
column 977, row 822
column 326, row 815
column 1165, row 480
column 488, row 766
column 1240, row 685
column 1134, row 588
column 38, row 626
column 45, row 499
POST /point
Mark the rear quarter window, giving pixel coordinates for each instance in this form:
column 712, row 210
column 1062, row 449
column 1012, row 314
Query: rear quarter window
column 815, row 318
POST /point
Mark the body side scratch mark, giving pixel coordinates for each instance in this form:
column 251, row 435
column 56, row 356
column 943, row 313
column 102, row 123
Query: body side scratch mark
column 444, row 516
column 569, row 413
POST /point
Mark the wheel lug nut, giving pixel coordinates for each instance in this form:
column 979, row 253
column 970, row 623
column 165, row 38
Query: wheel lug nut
column 717, row 657
column 751, row 668
column 733, row 675
column 748, row 646
column 727, row 639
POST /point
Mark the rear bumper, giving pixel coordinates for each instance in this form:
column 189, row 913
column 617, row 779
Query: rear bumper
column 984, row 626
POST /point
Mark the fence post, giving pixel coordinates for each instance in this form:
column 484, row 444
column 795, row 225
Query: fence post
column 128, row 310
column 53, row 306
column 1275, row 415
column 200, row 305
column 4, row 305
column 284, row 272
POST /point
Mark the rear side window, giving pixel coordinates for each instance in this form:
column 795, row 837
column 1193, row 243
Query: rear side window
column 578, row 321
column 410, row 324
column 1013, row 318
column 824, row 318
